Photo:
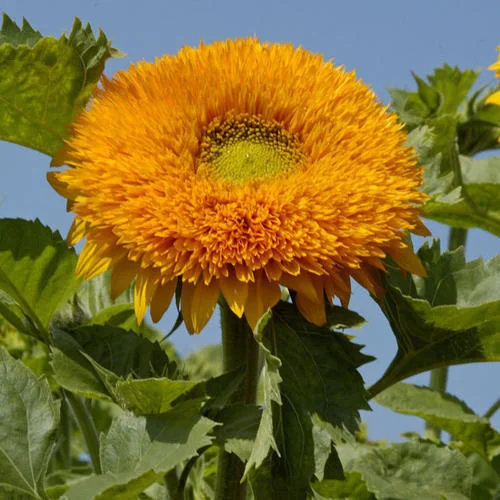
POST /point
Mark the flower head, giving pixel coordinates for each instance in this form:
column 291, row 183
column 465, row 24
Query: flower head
column 237, row 168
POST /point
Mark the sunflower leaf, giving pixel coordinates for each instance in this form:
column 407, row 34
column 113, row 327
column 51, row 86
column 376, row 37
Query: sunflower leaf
column 410, row 471
column 37, row 274
column 481, row 130
column 28, row 422
column 448, row 413
column 271, row 379
column 118, row 352
column 10, row 33
column 476, row 203
column 318, row 372
column 238, row 431
column 45, row 82
column 137, row 451
column 451, row 317
column 352, row 487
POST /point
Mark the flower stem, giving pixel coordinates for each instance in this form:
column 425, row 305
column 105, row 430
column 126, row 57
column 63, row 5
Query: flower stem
column 493, row 409
column 439, row 376
column 87, row 428
column 239, row 348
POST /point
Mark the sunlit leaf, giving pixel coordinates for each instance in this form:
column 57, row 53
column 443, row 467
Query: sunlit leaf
column 319, row 377
column 410, row 471
column 120, row 352
column 37, row 274
column 451, row 317
column 28, row 421
column 476, row 203
column 45, row 82
column 447, row 413
column 352, row 488
column 13, row 35
column 151, row 396
column 238, row 431
column 136, row 450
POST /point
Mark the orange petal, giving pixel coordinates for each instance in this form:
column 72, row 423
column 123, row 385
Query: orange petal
column 262, row 295
column 58, row 186
column 406, row 259
column 312, row 310
column 59, row 159
column 339, row 285
column 420, row 228
column 145, row 288
column 96, row 259
column 122, row 274
column 493, row 99
column 77, row 231
column 273, row 270
column 161, row 299
column 198, row 304
column 235, row 292
column 304, row 284
column 367, row 278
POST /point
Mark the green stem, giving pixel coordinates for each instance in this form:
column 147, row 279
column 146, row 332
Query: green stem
column 493, row 409
column 86, row 425
column 439, row 376
column 239, row 348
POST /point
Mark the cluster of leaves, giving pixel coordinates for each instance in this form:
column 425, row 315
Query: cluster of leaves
column 94, row 406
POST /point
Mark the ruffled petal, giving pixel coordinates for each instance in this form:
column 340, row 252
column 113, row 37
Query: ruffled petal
column 161, row 300
column 235, row 292
column 312, row 310
column 96, row 259
column 77, row 231
column 145, row 287
column 198, row 304
column 122, row 274
column 262, row 295
column 406, row 259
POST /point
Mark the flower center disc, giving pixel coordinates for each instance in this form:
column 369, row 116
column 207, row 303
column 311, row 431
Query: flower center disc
column 245, row 148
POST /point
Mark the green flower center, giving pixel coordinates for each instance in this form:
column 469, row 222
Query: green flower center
column 244, row 148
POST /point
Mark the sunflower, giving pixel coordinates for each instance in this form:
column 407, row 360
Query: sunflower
column 495, row 97
column 238, row 168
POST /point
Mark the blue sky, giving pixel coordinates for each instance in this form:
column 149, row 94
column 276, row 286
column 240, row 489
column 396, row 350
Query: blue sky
column 383, row 41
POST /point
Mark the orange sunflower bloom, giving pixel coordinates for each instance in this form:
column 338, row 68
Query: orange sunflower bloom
column 495, row 97
column 237, row 168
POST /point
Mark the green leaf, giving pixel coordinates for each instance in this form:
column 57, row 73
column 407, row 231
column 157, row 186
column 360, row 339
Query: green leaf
column 319, row 377
column 10, row 33
column 448, row 413
column 445, row 94
column 151, row 396
column 451, row 317
column 28, row 424
column 94, row 296
column 239, row 427
column 453, row 85
column 205, row 362
column 118, row 352
column 270, row 379
column 136, row 450
column 352, row 488
column 37, row 274
column 485, row 481
column 44, row 82
column 411, row 471
column 481, row 130
column 476, row 203
column 429, row 95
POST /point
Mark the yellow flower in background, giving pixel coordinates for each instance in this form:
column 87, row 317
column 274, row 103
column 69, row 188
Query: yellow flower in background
column 495, row 98
column 239, row 167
